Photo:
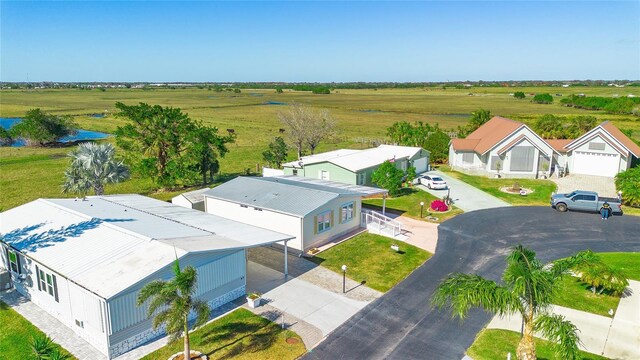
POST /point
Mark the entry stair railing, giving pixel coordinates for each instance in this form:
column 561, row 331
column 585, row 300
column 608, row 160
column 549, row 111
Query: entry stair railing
column 380, row 224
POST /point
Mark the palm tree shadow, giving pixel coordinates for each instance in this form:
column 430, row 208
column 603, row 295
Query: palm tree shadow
column 255, row 337
column 24, row 239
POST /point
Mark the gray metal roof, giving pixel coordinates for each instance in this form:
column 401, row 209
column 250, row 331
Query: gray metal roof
column 195, row 196
column 311, row 182
column 289, row 195
column 123, row 237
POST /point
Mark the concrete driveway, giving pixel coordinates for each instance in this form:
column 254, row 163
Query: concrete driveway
column 319, row 307
column 465, row 196
column 402, row 325
column 604, row 186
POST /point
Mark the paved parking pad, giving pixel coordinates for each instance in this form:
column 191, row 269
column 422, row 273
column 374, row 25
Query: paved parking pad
column 318, row 307
column 465, row 196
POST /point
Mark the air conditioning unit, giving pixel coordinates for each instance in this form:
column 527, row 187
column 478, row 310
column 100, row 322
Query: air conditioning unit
column 5, row 280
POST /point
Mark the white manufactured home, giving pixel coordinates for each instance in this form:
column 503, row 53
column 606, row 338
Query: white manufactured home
column 312, row 211
column 84, row 261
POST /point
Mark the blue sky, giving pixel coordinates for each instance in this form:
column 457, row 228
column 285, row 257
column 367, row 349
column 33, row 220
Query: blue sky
column 318, row 41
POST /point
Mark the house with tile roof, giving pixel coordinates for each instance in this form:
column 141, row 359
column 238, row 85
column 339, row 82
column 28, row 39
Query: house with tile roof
column 510, row 148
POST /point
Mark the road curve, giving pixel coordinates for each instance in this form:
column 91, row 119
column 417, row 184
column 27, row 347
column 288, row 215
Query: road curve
column 401, row 324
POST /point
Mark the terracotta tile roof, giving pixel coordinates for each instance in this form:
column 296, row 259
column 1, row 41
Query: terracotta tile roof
column 488, row 135
column 622, row 138
column 464, row 144
column 559, row 144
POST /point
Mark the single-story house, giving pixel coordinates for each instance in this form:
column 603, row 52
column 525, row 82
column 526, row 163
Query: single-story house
column 84, row 261
column 191, row 199
column 312, row 211
column 356, row 166
column 511, row 149
column 502, row 146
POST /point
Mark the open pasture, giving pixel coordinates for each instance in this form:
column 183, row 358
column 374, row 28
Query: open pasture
column 362, row 116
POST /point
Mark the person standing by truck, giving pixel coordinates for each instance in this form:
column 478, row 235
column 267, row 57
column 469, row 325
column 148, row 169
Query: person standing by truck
column 605, row 211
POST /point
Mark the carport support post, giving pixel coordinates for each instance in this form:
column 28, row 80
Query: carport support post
column 286, row 265
column 384, row 203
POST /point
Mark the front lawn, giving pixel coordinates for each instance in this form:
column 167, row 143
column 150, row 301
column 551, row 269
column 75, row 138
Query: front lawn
column 238, row 335
column 492, row 344
column 542, row 189
column 408, row 204
column 628, row 263
column 369, row 258
column 575, row 294
column 16, row 333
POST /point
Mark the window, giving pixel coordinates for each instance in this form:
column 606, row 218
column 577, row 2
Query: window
column 522, row 158
column 346, row 212
column 295, row 172
column 47, row 283
column 323, row 222
column 324, row 175
column 589, row 197
column 496, row 162
column 362, row 178
column 13, row 261
column 596, row 146
column 468, row 158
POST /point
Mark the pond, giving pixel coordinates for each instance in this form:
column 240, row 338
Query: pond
column 7, row 123
column 273, row 103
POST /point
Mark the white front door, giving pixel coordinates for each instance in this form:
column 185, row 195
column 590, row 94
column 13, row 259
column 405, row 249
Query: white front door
column 595, row 163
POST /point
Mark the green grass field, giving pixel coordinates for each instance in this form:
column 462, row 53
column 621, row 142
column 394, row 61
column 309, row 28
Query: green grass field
column 362, row 115
column 239, row 335
column 492, row 344
column 369, row 258
column 408, row 204
column 16, row 334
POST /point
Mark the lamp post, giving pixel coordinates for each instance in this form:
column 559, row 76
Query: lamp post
column 421, row 207
column 448, row 195
column 344, row 278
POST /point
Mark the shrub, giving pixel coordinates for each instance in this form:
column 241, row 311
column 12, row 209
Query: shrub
column 439, row 205
column 519, row 95
column 544, row 98
column 627, row 182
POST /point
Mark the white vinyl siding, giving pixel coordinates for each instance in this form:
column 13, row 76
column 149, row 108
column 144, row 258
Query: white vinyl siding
column 522, row 158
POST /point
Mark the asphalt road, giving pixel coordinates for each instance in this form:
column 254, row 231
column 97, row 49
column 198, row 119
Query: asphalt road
column 402, row 325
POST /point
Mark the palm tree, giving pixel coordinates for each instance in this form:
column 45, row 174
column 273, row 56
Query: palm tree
column 92, row 167
column 172, row 301
column 528, row 289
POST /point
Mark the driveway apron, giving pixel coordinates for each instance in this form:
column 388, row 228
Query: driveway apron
column 465, row 196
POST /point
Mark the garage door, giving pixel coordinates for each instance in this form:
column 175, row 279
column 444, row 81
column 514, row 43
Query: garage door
column 421, row 165
column 593, row 163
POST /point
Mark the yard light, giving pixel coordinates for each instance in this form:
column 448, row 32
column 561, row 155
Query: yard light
column 344, row 278
column 448, row 195
column 421, row 207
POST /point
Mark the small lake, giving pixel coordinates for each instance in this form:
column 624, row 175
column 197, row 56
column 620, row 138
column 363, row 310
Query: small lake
column 8, row 123
column 273, row 103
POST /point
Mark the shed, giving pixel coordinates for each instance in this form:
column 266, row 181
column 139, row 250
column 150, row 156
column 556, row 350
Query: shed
column 191, row 199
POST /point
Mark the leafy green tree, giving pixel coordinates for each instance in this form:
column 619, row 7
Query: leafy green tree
column 92, row 167
column 276, row 154
column 628, row 182
column 389, row 177
column 279, row 90
column 401, row 133
column 5, row 137
column 550, row 127
column 477, row 119
column 205, row 146
column 171, row 302
column 528, row 289
column 519, row 95
column 40, row 128
column 437, row 143
column 411, row 174
column 580, row 125
column 544, row 98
